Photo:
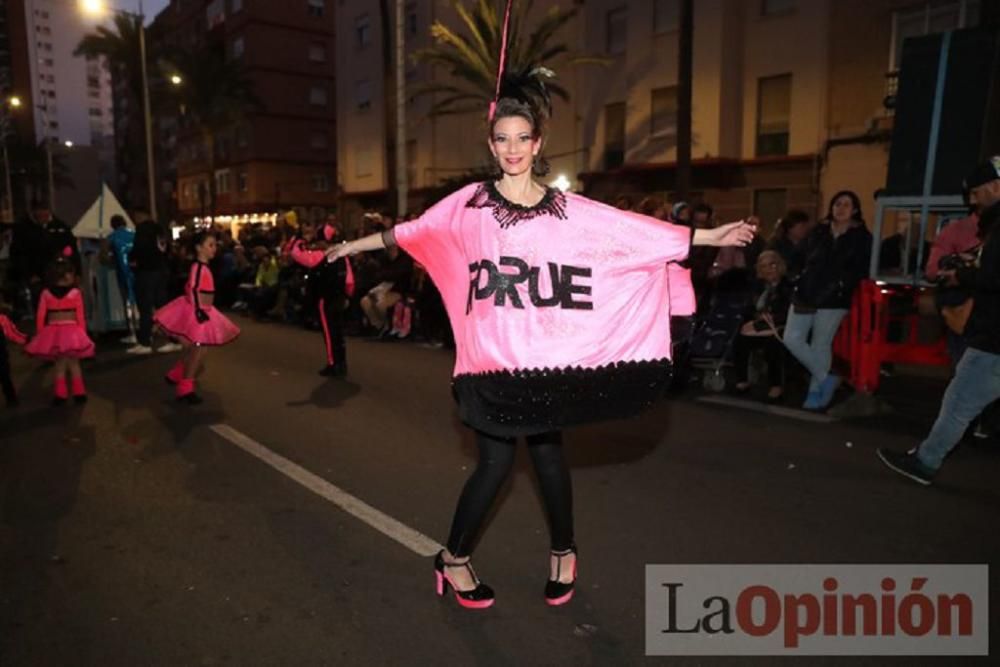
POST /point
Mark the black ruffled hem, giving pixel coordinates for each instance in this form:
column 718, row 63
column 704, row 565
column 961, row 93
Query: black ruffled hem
column 525, row 402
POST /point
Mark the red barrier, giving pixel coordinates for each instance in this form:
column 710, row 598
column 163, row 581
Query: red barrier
column 884, row 325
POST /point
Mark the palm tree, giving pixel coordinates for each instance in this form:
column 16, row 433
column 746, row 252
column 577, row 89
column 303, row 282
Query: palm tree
column 120, row 47
column 214, row 95
column 472, row 57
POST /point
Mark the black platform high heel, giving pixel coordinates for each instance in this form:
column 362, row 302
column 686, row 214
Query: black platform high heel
column 556, row 592
column 479, row 597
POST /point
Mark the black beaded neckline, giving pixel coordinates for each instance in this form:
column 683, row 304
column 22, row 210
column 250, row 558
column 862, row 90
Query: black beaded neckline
column 508, row 214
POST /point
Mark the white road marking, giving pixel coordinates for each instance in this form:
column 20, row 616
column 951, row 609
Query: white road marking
column 757, row 406
column 411, row 539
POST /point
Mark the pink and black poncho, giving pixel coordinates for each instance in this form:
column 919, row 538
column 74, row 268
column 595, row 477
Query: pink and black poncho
column 559, row 310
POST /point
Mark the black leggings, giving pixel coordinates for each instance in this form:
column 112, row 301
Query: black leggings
column 496, row 457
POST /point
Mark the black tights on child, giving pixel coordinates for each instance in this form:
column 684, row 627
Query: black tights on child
column 496, row 457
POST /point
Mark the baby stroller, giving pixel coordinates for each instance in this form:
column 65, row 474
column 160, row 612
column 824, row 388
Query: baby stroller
column 714, row 333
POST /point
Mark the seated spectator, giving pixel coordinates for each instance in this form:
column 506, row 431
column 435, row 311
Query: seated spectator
column 762, row 330
column 892, row 248
column 787, row 240
column 392, row 279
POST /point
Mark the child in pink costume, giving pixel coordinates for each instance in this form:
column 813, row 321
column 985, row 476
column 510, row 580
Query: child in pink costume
column 559, row 308
column 194, row 320
column 61, row 332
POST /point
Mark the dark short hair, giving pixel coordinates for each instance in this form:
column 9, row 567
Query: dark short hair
column 855, row 201
column 702, row 208
column 201, row 235
column 508, row 107
column 117, row 221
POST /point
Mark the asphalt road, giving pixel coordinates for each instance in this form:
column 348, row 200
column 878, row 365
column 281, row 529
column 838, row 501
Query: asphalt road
column 131, row 533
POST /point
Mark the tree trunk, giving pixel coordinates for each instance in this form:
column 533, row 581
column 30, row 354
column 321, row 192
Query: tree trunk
column 685, row 61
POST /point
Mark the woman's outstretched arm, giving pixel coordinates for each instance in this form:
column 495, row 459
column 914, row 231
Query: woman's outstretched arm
column 367, row 244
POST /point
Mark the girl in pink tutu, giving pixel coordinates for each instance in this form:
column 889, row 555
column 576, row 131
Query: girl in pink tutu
column 61, row 331
column 193, row 319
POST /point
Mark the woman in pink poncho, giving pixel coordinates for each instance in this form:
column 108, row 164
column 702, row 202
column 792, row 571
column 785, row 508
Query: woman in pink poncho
column 557, row 304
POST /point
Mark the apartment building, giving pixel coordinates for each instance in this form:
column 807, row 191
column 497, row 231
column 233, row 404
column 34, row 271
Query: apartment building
column 792, row 100
column 281, row 155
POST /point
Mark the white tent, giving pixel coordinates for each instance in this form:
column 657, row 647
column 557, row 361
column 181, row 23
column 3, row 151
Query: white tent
column 96, row 222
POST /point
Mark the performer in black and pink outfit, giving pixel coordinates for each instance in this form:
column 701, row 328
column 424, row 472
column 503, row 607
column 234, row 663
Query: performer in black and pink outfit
column 330, row 284
column 194, row 320
column 61, row 331
column 8, row 332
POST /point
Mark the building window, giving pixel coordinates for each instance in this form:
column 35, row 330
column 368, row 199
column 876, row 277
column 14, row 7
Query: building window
column 317, row 96
column 666, row 15
column 774, row 103
column 321, row 182
column 316, row 7
column 769, row 206
column 363, row 31
column 317, row 52
column 222, row 184
column 242, row 183
column 363, row 162
column 411, row 19
column 614, row 135
column 363, row 95
column 928, row 19
column 94, row 112
column 663, row 112
column 241, row 137
column 318, row 141
column 772, row 7
column 238, row 47
column 617, row 31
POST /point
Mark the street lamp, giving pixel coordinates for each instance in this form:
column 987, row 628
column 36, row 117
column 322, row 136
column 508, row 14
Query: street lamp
column 98, row 8
column 68, row 144
column 176, row 79
column 12, row 102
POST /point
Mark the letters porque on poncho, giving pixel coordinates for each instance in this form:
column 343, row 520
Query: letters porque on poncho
column 560, row 310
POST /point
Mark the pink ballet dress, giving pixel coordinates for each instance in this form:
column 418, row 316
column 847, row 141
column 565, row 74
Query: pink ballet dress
column 186, row 317
column 60, row 338
column 560, row 310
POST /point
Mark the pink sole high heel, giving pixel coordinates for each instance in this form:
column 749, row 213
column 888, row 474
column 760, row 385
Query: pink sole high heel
column 479, row 597
column 558, row 593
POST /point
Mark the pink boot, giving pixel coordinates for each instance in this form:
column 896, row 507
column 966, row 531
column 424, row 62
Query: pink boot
column 185, row 392
column 407, row 322
column 176, row 374
column 79, row 390
column 59, row 391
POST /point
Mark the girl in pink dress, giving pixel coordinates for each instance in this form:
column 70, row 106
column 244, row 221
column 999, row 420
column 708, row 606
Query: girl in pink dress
column 193, row 320
column 61, row 332
column 559, row 308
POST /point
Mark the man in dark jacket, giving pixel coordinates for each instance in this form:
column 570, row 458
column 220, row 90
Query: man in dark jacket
column 151, row 267
column 976, row 382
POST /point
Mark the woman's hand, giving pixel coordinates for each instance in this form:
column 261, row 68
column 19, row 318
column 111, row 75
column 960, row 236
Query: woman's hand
column 739, row 233
column 342, row 249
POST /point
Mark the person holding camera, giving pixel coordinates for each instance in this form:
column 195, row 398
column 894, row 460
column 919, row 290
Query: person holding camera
column 976, row 382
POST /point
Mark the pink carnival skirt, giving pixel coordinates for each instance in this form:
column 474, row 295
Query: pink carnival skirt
column 177, row 319
column 61, row 340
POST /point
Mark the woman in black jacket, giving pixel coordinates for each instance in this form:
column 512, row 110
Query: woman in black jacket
column 837, row 254
column 762, row 329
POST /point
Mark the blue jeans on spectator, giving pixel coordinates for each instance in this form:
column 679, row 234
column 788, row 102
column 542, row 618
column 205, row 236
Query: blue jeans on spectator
column 976, row 384
column 816, row 354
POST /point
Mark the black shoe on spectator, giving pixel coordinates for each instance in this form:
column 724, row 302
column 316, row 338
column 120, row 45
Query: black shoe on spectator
column 190, row 399
column 328, row 371
column 907, row 465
